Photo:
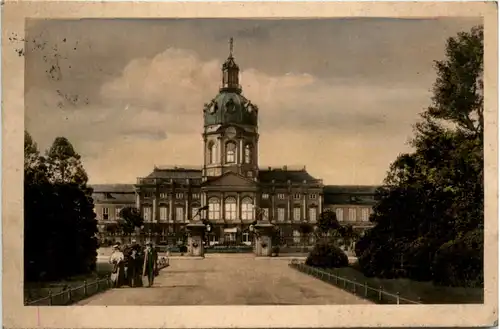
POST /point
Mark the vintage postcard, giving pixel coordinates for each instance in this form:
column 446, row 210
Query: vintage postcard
column 215, row 165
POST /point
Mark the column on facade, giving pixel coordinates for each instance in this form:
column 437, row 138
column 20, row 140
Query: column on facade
column 154, row 212
column 186, row 212
column 171, row 207
column 272, row 211
column 254, row 210
column 222, row 210
column 238, row 206
column 219, row 150
column 290, row 210
column 241, row 152
column 304, row 206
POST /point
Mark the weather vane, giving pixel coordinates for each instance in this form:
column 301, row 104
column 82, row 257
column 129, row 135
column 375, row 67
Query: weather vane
column 231, row 47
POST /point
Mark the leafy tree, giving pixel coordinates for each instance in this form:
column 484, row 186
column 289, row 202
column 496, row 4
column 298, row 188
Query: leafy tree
column 429, row 217
column 130, row 220
column 330, row 229
column 59, row 223
column 305, row 230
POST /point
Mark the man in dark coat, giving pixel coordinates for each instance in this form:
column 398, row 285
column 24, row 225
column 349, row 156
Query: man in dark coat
column 150, row 265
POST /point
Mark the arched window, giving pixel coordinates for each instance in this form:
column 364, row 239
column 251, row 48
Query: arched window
column 230, row 208
column 247, row 209
column 213, row 208
column 248, row 154
column 211, row 152
column 230, row 152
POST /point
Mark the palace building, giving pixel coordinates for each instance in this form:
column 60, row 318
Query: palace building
column 231, row 183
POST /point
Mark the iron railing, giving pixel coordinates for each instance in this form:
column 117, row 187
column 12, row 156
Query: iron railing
column 377, row 295
column 75, row 294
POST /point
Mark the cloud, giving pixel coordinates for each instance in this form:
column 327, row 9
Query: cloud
column 339, row 96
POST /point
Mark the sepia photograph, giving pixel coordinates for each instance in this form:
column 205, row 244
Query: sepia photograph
column 253, row 161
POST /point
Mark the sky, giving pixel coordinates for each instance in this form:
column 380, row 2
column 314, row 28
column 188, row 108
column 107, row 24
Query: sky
column 339, row 96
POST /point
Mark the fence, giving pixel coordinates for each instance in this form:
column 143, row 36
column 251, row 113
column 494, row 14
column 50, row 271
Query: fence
column 78, row 293
column 377, row 295
column 72, row 295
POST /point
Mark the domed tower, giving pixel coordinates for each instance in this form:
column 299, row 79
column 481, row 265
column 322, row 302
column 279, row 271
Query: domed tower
column 230, row 136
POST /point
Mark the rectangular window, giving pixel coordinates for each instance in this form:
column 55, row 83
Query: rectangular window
column 281, row 214
column 313, row 213
column 196, row 196
column 179, row 214
column 296, row 196
column 265, row 196
column 365, row 214
column 281, row 196
column 194, row 212
column 296, row 214
column 313, row 196
column 163, row 213
column 340, row 214
column 117, row 212
column 352, row 214
column 247, row 211
column 230, row 212
column 296, row 237
column 163, row 195
column 179, row 195
column 265, row 214
column 146, row 213
column 148, row 194
column 105, row 213
column 213, row 210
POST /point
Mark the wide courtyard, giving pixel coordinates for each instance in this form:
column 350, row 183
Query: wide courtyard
column 228, row 280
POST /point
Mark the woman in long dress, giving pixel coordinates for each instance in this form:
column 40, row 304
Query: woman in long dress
column 117, row 260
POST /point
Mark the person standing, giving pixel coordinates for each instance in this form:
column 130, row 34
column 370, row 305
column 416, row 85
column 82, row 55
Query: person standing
column 150, row 265
column 117, row 260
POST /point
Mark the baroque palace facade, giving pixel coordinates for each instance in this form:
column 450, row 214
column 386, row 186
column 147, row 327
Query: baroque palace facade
column 231, row 183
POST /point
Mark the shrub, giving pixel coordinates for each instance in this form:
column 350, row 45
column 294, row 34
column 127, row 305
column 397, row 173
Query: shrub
column 326, row 255
column 460, row 262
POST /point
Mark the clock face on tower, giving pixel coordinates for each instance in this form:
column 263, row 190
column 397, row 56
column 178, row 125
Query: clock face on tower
column 230, row 132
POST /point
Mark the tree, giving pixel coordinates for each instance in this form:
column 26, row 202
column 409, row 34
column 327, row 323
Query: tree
column 59, row 225
column 130, row 220
column 305, row 230
column 330, row 229
column 429, row 217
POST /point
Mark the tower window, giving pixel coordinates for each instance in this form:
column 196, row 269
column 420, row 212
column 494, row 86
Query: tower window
column 248, row 154
column 211, row 153
column 230, row 152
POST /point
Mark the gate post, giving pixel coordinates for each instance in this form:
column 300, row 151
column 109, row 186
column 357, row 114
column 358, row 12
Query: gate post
column 263, row 239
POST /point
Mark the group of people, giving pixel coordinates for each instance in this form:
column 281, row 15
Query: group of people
column 134, row 265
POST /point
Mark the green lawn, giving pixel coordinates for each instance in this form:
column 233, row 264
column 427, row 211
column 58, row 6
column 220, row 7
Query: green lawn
column 413, row 290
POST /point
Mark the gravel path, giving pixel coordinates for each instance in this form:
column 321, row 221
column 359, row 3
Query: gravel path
column 231, row 280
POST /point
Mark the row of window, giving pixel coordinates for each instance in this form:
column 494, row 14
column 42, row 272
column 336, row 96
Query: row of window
column 178, row 196
column 231, row 213
column 352, row 214
column 296, row 196
column 195, row 196
column 230, row 156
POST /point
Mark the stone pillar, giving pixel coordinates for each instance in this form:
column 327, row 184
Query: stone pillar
column 195, row 239
column 263, row 239
column 171, row 207
column 304, row 207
